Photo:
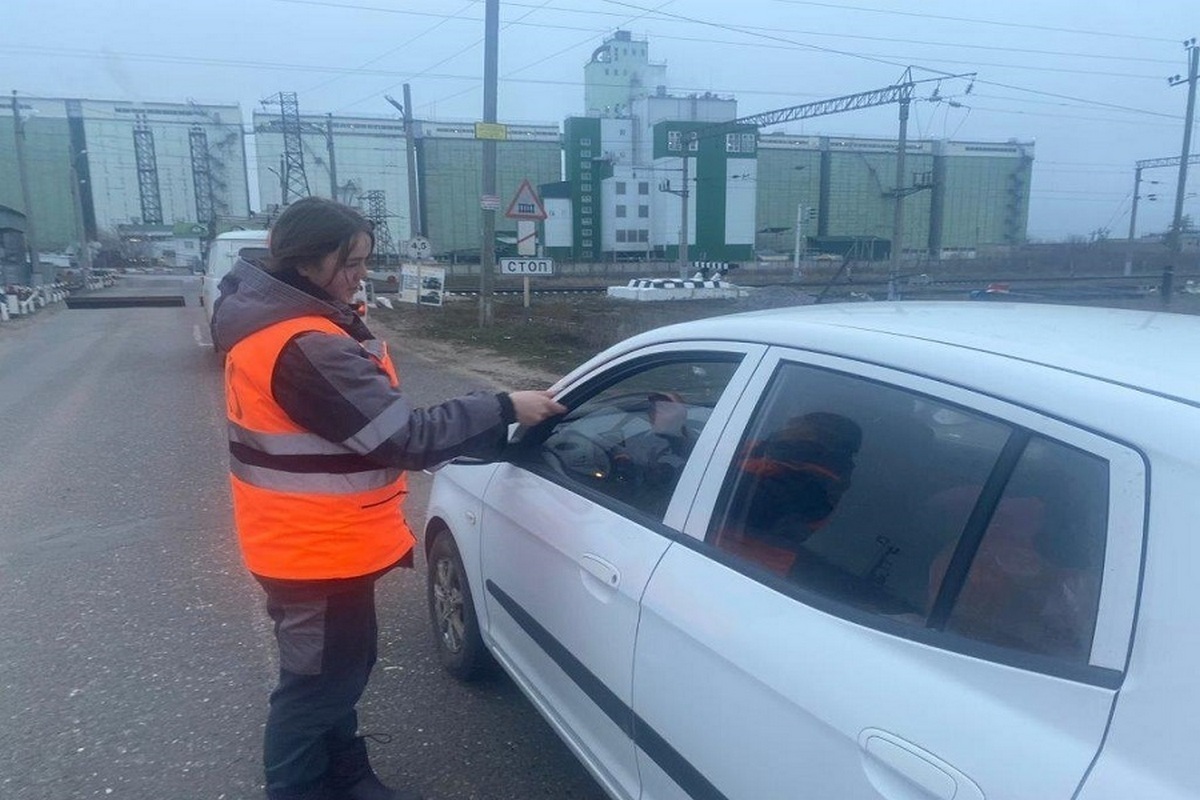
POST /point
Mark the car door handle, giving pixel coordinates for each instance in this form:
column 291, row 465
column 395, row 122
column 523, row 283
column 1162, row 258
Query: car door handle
column 600, row 569
column 895, row 767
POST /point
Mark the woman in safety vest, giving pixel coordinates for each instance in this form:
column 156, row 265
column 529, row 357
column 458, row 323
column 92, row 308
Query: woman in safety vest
column 319, row 438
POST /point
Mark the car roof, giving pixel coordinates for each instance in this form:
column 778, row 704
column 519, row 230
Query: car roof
column 1145, row 350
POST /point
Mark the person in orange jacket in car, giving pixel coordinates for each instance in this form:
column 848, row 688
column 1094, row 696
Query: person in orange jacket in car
column 320, row 436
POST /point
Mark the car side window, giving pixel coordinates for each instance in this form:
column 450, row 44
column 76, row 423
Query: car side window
column 861, row 493
column 254, row 254
column 830, row 487
column 1034, row 582
column 629, row 437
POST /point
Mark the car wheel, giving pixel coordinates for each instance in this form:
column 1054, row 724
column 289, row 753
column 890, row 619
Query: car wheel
column 452, row 612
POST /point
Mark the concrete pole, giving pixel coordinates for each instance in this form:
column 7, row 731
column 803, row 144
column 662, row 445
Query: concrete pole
column 799, row 234
column 35, row 265
column 898, row 211
column 414, row 208
column 1137, row 187
column 1181, row 188
column 333, row 183
column 683, row 222
column 85, row 252
column 491, row 67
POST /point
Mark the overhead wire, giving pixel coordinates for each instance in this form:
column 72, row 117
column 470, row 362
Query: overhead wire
column 771, row 29
column 452, row 56
column 393, row 50
column 1000, row 23
column 544, row 59
column 772, row 37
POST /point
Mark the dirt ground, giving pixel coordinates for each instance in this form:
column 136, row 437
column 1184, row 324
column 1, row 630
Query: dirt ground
column 523, row 350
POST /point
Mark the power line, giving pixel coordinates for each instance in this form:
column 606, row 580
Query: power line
column 532, row 64
column 768, row 36
column 395, row 49
column 722, row 26
column 452, row 56
column 68, row 52
column 841, row 7
column 991, row 110
column 772, row 29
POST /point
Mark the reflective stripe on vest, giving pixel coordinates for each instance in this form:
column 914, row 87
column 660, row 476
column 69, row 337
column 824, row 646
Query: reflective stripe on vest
column 306, row 507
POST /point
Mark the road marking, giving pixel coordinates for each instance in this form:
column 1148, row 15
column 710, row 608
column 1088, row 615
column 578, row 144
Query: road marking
column 199, row 337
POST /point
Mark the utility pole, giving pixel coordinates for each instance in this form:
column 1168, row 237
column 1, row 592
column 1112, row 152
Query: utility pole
column 1137, row 186
column 333, row 184
column 683, row 221
column 410, row 144
column 85, row 252
column 491, row 66
column 1193, row 74
column 682, row 194
column 410, row 149
column 898, row 210
column 23, row 174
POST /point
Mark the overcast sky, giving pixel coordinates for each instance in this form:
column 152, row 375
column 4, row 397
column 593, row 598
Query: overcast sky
column 1086, row 80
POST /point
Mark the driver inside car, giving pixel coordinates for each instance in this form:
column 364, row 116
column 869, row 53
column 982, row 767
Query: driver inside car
column 650, row 462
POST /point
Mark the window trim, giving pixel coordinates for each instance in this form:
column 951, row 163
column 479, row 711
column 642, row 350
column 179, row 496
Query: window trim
column 1124, row 554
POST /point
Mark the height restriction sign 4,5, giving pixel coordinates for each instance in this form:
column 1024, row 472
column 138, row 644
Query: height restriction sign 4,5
column 526, row 204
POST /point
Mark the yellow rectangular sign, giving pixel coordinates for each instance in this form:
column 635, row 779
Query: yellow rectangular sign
column 491, row 130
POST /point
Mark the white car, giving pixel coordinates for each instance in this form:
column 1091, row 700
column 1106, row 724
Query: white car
column 888, row 550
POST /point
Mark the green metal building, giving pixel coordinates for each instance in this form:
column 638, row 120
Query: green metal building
column 450, row 179
column 958, row 196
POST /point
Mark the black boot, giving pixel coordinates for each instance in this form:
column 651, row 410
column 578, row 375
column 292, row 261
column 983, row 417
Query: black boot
column 316, row 793
column 351, row 777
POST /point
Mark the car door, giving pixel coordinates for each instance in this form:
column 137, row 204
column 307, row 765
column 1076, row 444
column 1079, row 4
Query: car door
column 574, row 524
column 896, row 589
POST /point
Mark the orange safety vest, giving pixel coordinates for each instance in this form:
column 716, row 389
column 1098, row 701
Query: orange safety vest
column 305, row 508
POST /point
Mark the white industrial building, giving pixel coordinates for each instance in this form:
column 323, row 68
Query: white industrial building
column 130, row 162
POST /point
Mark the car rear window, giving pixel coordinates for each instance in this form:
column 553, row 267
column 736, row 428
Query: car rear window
column 864, row 494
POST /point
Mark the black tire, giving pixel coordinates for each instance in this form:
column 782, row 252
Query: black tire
column 452, row 617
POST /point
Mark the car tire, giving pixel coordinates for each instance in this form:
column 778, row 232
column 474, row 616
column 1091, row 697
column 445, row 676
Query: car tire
column 452, row 615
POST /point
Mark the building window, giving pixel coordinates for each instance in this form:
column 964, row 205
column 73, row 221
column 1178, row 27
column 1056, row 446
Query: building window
column 621, row 211
column 585, row 198
column 620, row 187
column 674, row 141
column 621, row 235
column 587, row 243
column 643, row 187
column 747, row 142
column 643, row 235
column 585, row 153
column 644, row 212
column 585, row 141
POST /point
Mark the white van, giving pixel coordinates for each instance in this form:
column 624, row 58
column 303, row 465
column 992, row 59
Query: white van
column 223, row 252
column 252, row 246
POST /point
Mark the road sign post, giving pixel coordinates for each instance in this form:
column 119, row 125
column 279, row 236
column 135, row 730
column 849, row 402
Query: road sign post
column 526, row 266
column 527, row 209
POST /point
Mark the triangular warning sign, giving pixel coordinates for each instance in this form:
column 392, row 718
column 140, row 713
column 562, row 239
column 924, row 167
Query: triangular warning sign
column 526, row 204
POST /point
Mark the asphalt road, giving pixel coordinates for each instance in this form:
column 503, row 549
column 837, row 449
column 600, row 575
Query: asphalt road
column 135, row 655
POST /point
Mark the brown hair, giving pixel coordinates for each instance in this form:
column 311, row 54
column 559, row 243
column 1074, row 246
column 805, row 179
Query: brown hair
column 312, row 228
